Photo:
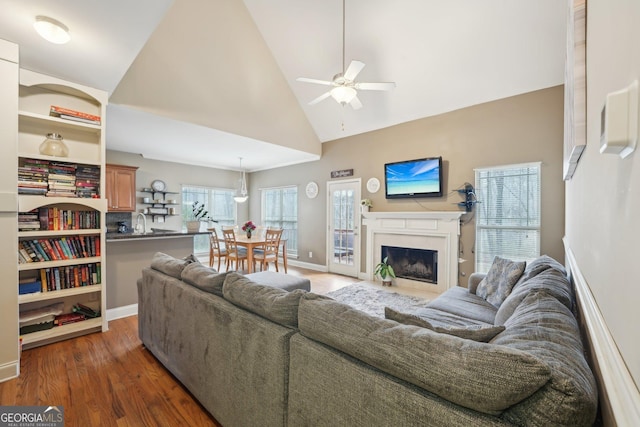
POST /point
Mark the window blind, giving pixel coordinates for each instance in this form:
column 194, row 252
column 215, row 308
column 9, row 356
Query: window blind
column 508, row 215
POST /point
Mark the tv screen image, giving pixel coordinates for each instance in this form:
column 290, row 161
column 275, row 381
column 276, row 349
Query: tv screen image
column 414, row 178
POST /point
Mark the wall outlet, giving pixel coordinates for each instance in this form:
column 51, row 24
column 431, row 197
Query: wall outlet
column 310, row 254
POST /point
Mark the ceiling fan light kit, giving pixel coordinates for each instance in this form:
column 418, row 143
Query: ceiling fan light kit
column 345, row 89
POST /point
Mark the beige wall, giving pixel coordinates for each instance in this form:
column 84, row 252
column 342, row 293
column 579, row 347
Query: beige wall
column 174, row 175
column 519, row 129
column 603, row 198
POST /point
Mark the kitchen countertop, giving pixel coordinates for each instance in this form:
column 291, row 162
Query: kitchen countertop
column 111, row 237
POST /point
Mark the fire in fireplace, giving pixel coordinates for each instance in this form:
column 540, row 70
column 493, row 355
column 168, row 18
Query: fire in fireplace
column 413, row 264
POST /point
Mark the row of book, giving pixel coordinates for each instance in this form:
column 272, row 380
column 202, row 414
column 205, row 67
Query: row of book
column 54, row 218
column 49, row 316
column 58, row 179
column 58, row 278
column 58, row 248
column 74, row 115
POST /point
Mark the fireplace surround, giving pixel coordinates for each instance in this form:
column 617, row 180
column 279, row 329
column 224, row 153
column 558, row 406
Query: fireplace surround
column 435, row 231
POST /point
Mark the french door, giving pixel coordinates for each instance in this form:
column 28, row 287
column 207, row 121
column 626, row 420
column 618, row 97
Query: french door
column 344, row 227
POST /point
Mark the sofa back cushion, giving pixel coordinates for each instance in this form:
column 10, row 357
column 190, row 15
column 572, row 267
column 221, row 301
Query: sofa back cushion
column 271, row 303
column 169, row 265
column 544, row 327
column 484, row 377
column 203, row 277
column 551, row 280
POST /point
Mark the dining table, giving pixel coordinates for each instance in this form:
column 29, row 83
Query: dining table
column 250, row 243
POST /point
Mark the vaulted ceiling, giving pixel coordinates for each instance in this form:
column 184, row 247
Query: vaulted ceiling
column 208, row 81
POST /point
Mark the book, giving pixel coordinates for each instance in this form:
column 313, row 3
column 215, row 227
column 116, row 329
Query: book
column 57, row 111
column 66, row 318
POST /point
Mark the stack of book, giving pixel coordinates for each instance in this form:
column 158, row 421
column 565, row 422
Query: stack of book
column 76, row 116
column 33, row 176
column 62, row 180
column 88, row 181
column 29, row 221
column 54, row 218
column 59, row 248
column 71, row 276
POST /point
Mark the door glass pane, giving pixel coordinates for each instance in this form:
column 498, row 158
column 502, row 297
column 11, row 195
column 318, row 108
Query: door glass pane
column 343, row 226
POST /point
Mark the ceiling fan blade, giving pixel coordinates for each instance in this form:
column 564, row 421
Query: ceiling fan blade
column 320, row 98
column 375, row 86
column 316, row 81
column 355, row 103
column 354, row 68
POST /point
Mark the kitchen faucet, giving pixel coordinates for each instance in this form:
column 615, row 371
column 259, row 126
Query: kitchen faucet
column 144, row 222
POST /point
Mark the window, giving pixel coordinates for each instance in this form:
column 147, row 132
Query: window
column 220, row 204
column 280, row 210
column 508, row 215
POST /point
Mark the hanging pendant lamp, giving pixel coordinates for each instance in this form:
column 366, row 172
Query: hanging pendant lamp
column 241, row 195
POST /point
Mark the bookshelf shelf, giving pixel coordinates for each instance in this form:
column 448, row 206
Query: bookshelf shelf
column 60, row 263
column 56, row 333
column 37, row 94
column 62, row 293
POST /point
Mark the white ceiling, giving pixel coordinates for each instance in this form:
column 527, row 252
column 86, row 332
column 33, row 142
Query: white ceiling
column 443, row 55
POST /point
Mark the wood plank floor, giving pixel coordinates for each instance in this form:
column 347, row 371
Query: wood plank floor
column 110, row 379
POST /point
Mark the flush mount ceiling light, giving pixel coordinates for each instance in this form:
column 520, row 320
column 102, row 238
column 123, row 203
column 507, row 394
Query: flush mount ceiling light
column 241, row 195
column 52, row 30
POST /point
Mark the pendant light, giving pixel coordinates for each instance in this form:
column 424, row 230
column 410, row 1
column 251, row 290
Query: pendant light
column 241, row 195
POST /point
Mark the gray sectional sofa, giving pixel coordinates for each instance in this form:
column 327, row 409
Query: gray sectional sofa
column 254, row 354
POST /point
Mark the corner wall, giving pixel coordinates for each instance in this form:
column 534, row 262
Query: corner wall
column 603, row 197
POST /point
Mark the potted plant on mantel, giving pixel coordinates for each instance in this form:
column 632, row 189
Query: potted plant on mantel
column 198, row 214
column 385, row 271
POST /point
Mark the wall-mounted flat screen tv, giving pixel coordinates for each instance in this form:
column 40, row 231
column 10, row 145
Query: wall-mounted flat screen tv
column 413, row 178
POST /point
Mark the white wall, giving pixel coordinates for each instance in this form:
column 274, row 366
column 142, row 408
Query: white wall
column 603, row 198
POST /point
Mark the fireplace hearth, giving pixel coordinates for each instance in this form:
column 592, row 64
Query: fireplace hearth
column 412, row 263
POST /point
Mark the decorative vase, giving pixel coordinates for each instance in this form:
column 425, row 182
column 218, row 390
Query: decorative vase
column 248, row 233
column 53, row 145
column 364, row 208
column 193, row 226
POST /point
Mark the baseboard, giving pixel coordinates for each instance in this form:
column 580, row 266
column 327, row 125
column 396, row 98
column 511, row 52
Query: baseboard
column 120, row 312
column 619, row 396
column 9, row 371
column 308, row 265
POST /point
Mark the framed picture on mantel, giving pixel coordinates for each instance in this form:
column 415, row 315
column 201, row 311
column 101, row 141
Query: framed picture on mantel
column 575, row 88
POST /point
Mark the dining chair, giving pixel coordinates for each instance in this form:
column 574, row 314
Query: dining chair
column 269, row 252
column 231, row 246
column 215, row 250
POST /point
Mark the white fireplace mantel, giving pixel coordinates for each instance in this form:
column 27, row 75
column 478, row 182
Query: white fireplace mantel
column 433, row 230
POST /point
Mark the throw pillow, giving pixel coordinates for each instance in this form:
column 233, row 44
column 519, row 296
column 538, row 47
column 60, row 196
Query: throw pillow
column 476, row 332
column 191, row 258
column 502, row 275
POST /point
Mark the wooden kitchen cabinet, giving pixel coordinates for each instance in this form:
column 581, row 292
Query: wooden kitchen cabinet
column 121, row 188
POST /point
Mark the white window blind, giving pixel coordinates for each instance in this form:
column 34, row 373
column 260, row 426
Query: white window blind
column 218, row 201
column 508, row 215
column 280, row 210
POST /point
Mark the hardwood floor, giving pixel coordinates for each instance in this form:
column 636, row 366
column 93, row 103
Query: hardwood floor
column 110, row 379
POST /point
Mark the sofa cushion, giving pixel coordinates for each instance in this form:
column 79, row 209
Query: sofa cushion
column 169, row 265
column 271, row 303
column 502, row 275
column 480, row 376
column 482, row 332
column 204, row 278
column 460, row 302
column 545, row 328
column 551, row 280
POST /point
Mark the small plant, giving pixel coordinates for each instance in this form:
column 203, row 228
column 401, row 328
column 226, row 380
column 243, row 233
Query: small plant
column 384, row 270
column 366, row 202
column 200, row 213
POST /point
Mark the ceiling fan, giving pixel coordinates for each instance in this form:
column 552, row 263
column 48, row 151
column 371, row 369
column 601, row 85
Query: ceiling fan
column 345, row 88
